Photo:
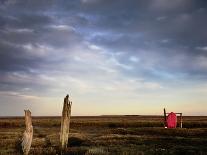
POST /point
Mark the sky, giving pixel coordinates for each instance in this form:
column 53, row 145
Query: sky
column 112, row 57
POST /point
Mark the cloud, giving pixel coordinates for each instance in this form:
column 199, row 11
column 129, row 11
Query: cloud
column 16, row 94
column 62, row 27
column 204, row 48
column 133, row 59
column 86, row 47
column 21, row 30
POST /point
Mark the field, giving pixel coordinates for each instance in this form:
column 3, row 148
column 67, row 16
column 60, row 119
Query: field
column 113, row 135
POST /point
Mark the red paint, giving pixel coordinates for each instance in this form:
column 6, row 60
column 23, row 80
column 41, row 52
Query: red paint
column 172, row 120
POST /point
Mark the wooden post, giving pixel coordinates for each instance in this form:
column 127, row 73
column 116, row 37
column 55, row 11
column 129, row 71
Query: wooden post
column 181, row 120
column 65, row 123
column 28, row 133
column 165, row 118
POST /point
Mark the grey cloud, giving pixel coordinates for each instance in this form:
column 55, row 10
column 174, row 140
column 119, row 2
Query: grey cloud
column 184, row 27
column 117, row 49
column 164, row 47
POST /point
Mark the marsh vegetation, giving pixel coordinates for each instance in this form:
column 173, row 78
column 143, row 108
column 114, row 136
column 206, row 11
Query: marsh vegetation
column 124, row 135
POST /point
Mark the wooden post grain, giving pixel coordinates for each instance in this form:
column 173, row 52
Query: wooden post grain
column 65, row 123
column 28, row 133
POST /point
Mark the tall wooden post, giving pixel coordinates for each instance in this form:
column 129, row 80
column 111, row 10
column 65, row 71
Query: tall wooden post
column 181, row 120
column 65, row 123
column 28, row 133
column 165, row 118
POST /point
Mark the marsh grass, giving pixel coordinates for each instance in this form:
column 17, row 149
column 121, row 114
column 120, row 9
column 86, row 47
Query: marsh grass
column 124, row 135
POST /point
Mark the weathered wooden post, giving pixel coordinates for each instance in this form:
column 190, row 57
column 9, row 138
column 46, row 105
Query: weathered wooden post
column 181, row 120
column 28, row 133
column 165, row 118
column 65, row 123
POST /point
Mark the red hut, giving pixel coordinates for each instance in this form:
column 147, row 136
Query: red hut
column 171, row 120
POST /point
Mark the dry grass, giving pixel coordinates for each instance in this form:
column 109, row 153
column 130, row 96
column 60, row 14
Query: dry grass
column 107, row 135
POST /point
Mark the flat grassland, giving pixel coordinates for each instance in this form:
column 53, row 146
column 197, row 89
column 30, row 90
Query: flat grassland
column 102, row 135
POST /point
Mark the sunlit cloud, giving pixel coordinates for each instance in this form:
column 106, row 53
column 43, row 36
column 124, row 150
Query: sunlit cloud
column 19, row 95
